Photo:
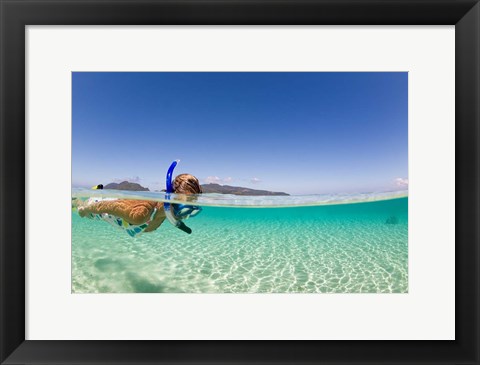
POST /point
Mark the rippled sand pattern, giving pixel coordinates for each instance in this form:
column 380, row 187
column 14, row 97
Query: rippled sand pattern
column 355, row 248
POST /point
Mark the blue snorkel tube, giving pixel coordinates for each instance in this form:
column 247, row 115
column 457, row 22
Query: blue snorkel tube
column 169, row 211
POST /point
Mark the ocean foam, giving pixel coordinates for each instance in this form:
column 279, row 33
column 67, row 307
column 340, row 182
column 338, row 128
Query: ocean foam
column 227, row 200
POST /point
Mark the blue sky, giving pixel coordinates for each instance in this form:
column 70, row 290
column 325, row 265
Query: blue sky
column 301, row 133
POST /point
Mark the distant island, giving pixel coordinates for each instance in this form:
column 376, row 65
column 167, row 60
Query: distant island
column 207, row 188
column 125, row 185
column 236, row 190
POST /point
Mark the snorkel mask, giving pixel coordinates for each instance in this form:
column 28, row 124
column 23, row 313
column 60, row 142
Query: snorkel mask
column 176, row 212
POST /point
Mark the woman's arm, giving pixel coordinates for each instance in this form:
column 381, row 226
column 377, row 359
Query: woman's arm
column 157, row 219
column 133, row 211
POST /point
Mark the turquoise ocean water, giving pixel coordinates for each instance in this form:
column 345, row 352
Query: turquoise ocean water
column 312, row 244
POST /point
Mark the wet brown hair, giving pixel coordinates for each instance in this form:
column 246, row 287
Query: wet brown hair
column 186, row 184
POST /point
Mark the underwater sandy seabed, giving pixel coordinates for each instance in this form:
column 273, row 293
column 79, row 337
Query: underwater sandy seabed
column 348, row 248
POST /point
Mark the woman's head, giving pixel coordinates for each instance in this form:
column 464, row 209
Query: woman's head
column 186, row 184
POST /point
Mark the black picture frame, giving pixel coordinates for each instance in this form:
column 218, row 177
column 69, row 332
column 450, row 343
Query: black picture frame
column 16, row 14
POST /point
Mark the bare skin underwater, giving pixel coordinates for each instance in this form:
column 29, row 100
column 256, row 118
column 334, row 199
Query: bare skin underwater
column 138, row 212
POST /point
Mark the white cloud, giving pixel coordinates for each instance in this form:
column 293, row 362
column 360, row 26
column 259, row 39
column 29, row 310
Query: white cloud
column 212, row 180
column 135, row 179
column 218, row 180
column 403, row 183
column 255, row 180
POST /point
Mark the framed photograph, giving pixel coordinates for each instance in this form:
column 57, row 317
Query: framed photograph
column 182, row 178
column 271, row 215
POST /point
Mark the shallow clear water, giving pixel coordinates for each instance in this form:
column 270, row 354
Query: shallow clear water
column 332, row 248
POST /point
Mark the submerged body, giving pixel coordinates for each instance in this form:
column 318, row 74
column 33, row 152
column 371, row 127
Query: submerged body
column 134, row 216
column 143, row 216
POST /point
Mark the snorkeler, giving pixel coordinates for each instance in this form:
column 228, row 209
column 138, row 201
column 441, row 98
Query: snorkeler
column 141, row 216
